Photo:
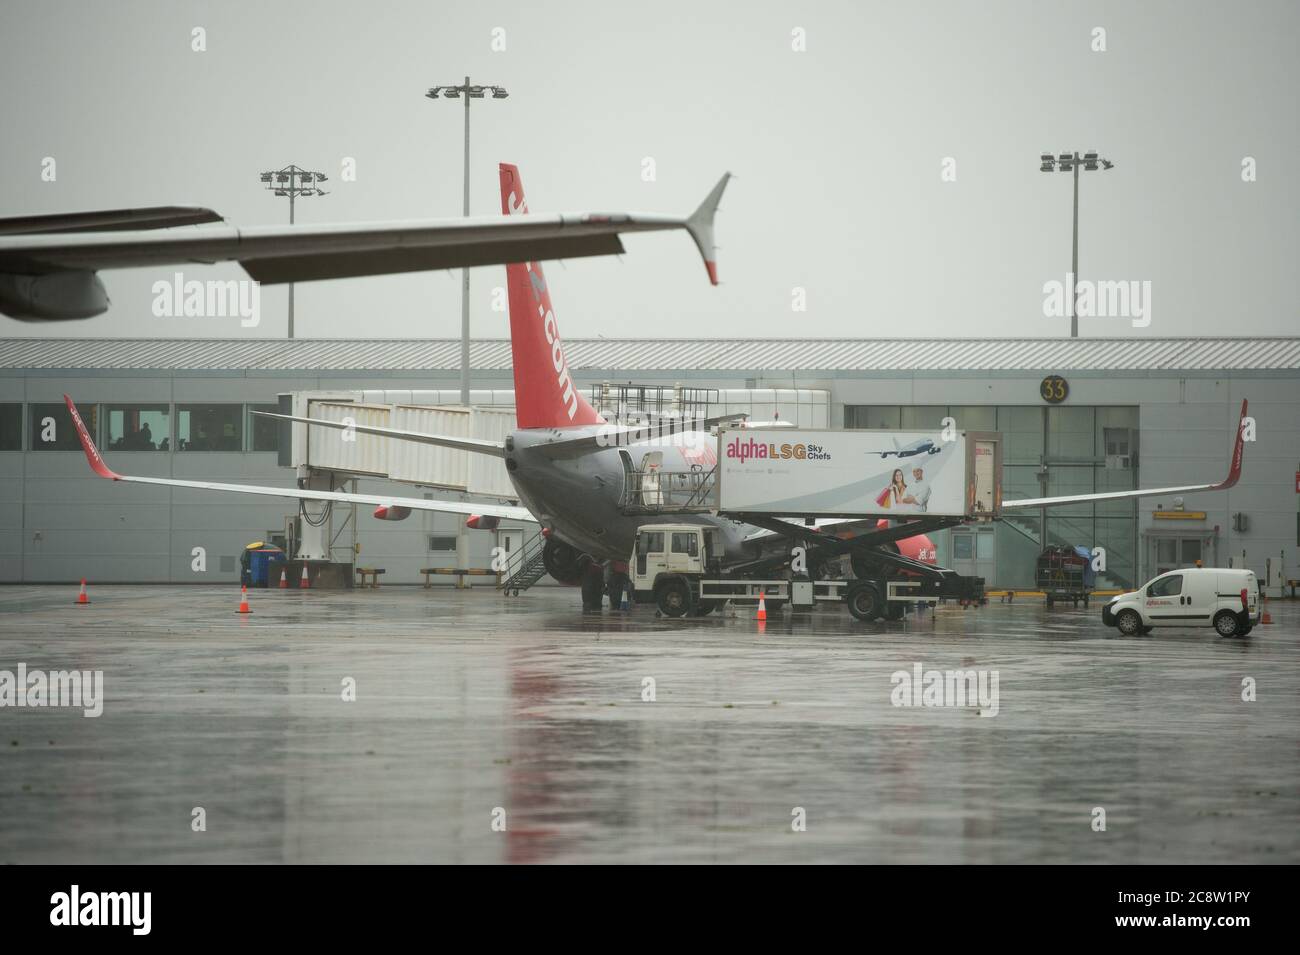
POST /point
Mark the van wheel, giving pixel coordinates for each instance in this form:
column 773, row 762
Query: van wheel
column 673, row 598
column 863, row 601
column 1225, row 621
column 1128, row 622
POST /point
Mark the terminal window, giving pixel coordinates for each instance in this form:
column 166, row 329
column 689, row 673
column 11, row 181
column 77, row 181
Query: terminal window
column 11, row 427
column 138, row 427
column 265, row 431
column 209, row 427
column 440, row 543
column 52, row 427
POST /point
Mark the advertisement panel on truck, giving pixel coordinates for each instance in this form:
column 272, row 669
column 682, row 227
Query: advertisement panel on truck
column 849, row 473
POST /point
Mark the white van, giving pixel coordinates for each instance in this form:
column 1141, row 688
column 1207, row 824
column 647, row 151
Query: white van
column 1227, row 600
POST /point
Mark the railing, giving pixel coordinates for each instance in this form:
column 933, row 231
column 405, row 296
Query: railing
column 620, row 401
column 655, row 491
column 521, row 565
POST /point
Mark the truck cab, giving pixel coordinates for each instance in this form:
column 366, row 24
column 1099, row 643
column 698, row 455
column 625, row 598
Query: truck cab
column 1223, row 598
column 672, row 549
column 668, row 560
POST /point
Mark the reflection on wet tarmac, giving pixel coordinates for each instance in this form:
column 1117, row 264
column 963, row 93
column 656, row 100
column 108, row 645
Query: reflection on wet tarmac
column 468, row 704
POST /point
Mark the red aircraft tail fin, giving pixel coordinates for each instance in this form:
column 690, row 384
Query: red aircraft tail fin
column 545, row 394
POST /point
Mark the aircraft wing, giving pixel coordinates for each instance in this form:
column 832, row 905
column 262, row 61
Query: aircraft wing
column 608, row 436
column 1234, row 473
column 508, row 511
column 661, row 431
column 107, row 220
column 68, row 261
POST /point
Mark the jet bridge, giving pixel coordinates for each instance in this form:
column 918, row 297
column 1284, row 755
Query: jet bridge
column 340, row 452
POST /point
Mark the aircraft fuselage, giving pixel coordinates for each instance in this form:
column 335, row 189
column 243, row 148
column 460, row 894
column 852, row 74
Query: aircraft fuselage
column 579, row 497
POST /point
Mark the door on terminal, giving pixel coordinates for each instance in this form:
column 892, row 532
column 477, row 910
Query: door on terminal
column 974, row 553
column 509, row 539
column 1171, row 553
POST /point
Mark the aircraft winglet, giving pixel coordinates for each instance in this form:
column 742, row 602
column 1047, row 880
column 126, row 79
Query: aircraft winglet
column 700, row 226
column 92, row 453
column 1238, row 452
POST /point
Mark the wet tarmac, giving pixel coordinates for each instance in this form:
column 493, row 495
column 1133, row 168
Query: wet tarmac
column 491, row 729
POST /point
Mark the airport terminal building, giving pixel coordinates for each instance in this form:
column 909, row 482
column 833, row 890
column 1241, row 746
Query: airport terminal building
column 1083, row 415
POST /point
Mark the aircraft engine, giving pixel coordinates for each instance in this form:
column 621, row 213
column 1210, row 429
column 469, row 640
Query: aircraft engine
column 563, row 561
column 56, row 296
column 388, row 512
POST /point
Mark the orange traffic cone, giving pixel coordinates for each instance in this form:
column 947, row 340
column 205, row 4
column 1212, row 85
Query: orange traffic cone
column 284, row 578
column 305, row 583
column 762, row 607
column 81, row 597
column 243, row 600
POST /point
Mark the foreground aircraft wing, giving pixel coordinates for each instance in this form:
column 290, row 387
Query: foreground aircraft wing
column 476, row 445
column 508, row 511
column 1234, row 473
column 108, row 220
column 51, row 276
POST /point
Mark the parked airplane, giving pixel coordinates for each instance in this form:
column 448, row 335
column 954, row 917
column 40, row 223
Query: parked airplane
column 570, row 467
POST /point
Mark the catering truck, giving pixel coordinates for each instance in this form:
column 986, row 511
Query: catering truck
column 680, row 568
column 782, row 504
column 845, row 474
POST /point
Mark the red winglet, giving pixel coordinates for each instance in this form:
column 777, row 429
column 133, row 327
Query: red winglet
column 1238, row 451
column 92, row 453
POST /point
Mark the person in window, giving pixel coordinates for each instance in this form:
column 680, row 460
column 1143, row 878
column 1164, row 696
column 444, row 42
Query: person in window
column 165, row 445
column 146, row 437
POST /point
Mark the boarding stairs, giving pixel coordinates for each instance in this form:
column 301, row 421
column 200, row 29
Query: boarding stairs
column 524, row 567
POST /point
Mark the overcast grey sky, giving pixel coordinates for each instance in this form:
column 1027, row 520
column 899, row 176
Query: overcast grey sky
column 837, row 149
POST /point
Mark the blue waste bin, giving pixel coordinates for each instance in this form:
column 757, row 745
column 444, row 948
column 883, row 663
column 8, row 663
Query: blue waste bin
column 263, row 566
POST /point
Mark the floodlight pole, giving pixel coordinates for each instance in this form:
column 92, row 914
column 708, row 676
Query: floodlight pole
column 1074, row 259
column 1070, row 162
column 291, row 181
column 466, row 92
column 464, row 274
column 292, row 196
